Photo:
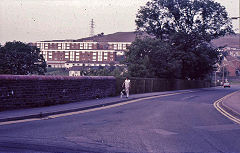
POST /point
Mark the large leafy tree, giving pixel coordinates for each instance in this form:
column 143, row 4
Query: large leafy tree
column 21, row 59
column 152, row 58
column 204, row 19
column 180, row 34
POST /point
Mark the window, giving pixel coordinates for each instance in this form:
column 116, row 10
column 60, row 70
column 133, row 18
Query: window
column 115, row 46
column 124, row 46
column 99, row 56
column 81, row 45
column 68, row 46
column 94, row 58
column 77, row 56
column 90, row 46
column 59, row 46
column 119, row 46
column 45, row 46
column 86, row 46
column 71, row 56
column 66, row 54
column 105, row 56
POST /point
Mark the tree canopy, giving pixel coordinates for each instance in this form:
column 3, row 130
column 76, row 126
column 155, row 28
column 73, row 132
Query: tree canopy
column 179, row 42
column 205, row 19
column 21, row 59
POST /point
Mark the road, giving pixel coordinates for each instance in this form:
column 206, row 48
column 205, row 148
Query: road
column 176, row 123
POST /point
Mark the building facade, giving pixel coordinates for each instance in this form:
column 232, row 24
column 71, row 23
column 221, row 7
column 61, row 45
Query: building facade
column 100, row 50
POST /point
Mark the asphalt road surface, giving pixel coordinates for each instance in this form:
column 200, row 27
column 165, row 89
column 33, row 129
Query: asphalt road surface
column 177, row 123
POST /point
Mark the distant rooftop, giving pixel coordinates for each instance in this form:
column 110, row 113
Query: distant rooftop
column 115, row 37
column 228, row 41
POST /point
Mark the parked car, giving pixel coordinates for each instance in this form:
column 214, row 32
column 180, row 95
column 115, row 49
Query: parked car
column 226, row 84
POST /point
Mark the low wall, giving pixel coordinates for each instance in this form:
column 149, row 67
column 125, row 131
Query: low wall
column 144, row 85
column 34, row 91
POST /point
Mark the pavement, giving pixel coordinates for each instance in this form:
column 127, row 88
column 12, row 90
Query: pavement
column 230, row 104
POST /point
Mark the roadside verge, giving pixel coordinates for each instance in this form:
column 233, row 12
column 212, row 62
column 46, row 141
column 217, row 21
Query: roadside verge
column 229, row 106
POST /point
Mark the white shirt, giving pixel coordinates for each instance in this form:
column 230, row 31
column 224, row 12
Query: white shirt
column 127, row 83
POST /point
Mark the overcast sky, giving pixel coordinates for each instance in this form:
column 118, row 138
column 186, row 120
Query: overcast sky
column 35, row 20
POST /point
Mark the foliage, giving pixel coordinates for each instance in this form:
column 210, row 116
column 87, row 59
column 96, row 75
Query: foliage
column 57, row 71
column 156, row 58
column 105, row 71
column 150, row 58
column 180, row 33
column 203, row 19
column 21, row 59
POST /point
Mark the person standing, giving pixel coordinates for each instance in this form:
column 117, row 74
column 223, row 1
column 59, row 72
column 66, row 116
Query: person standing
column 127, row 86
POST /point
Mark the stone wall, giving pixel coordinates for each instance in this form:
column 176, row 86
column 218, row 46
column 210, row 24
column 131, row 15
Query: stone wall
column 34, row 91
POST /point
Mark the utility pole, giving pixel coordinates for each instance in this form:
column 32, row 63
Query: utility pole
column 215, row 78
column 92, row 26
column 223, row 76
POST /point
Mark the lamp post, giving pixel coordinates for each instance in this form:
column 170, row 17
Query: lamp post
column 223, row 75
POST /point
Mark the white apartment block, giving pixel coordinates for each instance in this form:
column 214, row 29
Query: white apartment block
column 92, row 51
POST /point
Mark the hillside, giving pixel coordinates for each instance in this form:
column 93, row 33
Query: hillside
column 229, row 41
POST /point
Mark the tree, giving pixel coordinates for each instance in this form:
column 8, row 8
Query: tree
column 203, row 19
column 151, row 58
column 180, row 34
column 21, row 59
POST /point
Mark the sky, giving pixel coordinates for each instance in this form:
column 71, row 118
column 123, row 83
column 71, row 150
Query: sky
column 37, row 20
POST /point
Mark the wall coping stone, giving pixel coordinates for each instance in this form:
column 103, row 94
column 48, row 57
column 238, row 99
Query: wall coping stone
column 43, row 77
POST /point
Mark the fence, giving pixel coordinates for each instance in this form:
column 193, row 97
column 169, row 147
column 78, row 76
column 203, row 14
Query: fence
column 144, row 85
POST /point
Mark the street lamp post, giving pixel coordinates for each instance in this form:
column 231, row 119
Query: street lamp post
column 215, row 78
column 223, row 75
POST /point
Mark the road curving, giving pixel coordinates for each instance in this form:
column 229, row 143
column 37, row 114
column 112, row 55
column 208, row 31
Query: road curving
column 225, row 108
